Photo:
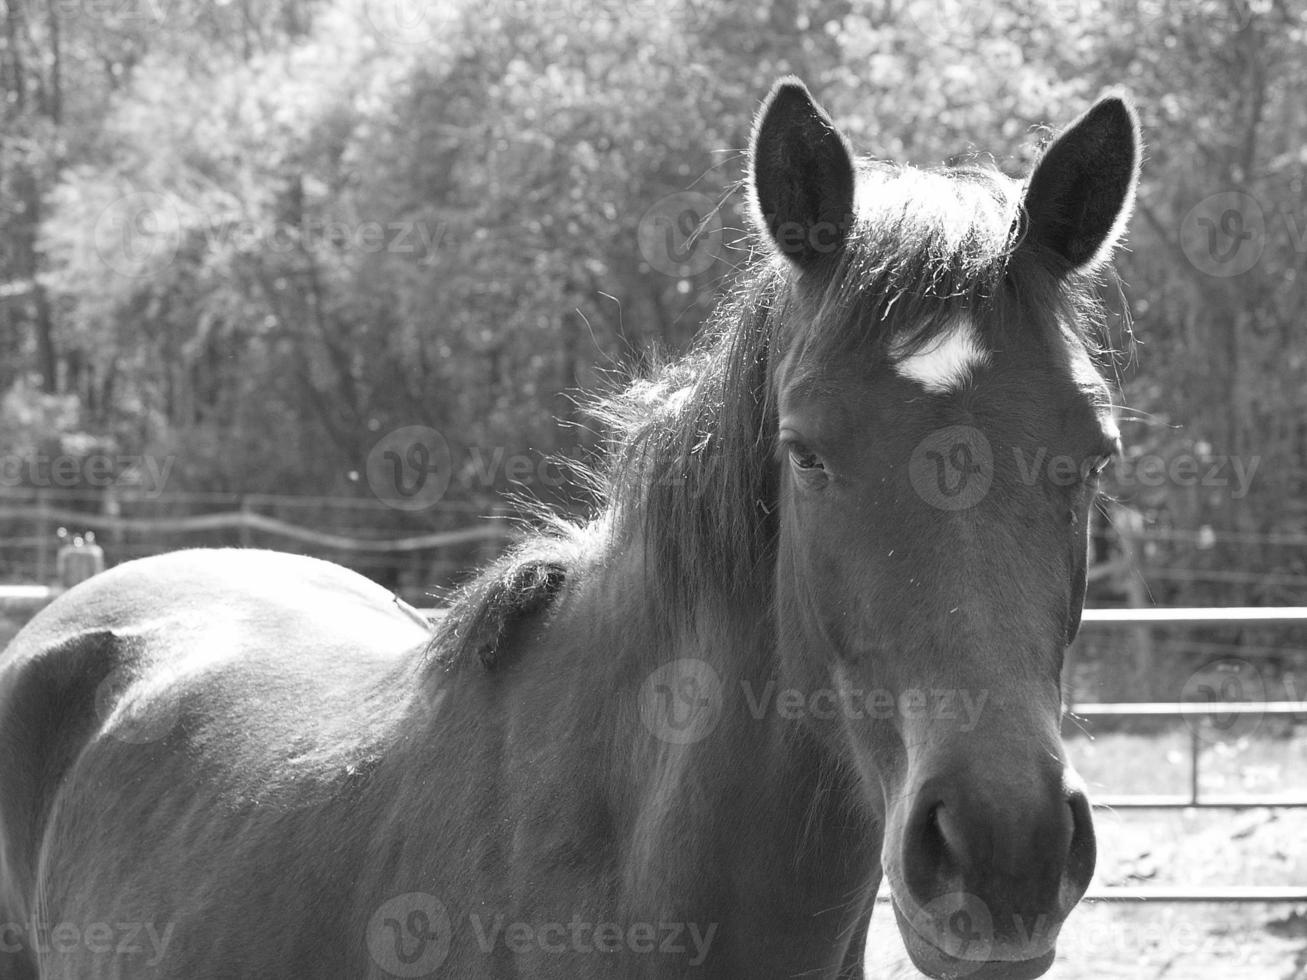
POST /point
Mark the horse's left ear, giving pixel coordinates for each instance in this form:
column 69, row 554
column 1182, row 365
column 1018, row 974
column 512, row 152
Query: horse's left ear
column 1082, row 190
column 802, row 171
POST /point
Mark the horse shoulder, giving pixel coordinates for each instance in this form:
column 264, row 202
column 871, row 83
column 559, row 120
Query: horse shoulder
column 48, row 688
column 185, row 620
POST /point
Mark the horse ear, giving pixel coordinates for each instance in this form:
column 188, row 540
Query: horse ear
column 1082, row 190
column 802, row 171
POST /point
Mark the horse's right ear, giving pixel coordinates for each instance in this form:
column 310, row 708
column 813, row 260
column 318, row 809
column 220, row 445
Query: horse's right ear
column 803, row 178
column 1082, row 190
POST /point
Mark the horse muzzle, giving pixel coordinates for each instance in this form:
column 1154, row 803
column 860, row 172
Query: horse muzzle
column 984, row 874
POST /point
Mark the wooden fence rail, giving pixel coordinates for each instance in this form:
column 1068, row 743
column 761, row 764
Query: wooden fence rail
column 248, row 521
column 1193, row 616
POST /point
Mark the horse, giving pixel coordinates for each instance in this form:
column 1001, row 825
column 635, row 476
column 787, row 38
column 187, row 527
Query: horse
column 809, row 641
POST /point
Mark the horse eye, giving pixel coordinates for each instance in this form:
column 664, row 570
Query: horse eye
column 804, row 458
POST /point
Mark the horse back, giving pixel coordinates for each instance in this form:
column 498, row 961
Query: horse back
column 274, row 675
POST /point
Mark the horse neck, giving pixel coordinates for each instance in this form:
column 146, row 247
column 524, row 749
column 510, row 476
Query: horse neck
column 754, row 808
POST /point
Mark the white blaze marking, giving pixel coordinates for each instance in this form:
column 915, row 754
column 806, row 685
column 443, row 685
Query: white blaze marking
column 948, row 362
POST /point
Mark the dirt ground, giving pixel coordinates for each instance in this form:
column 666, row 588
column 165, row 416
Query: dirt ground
column 1130, row 942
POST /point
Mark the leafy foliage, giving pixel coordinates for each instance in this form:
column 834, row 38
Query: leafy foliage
column 258, row 238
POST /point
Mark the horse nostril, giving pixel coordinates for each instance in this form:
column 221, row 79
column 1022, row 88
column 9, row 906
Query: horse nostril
column 955, row 848
column 1082, row 854
column 957, row 839
column 931, row 856
column 932, row 831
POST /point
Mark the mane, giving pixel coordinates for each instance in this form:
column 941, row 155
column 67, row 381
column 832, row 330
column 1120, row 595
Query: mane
column 523, row 581
column 688, row 477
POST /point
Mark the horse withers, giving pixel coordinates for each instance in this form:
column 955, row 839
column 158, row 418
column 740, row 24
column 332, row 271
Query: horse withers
column 810, row 642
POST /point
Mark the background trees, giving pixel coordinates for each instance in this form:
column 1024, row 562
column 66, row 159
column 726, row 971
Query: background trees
column 257, row 236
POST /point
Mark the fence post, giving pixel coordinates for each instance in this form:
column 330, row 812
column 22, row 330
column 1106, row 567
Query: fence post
column 245, row 522
column 43, row 532
column 111, row 507
column 1136, row 591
